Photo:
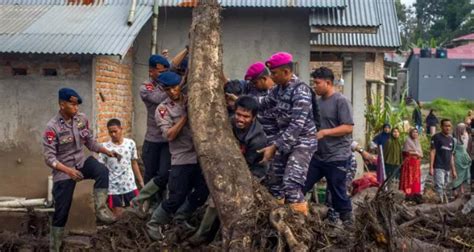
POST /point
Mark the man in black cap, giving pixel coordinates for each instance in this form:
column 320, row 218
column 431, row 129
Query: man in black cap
column 65, row 135
column 187, row 187
column 155, row 154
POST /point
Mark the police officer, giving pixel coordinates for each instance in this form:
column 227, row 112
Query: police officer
column 65, row 135
column 296, row 141
column 187, row 187
column 155, row 154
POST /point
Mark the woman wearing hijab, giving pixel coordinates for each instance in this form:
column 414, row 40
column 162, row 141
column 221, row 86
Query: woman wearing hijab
column 393, row 154
column 382, row 137
column 431, row 122
column 410, row 179
column 462, row 159
column 379, row 142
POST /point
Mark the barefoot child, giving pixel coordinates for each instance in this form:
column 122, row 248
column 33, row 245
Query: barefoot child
column 122, row 187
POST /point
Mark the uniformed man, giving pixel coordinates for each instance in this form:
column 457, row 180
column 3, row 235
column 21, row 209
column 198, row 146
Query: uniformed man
column 187, row 187
column 155, row 154
column 252, row 138
column 259, row 85
column 65, row 135
column 296, row 141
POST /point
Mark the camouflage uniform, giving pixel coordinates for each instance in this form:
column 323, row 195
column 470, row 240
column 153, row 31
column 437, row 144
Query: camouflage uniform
column 267, row 117
column 296, row 141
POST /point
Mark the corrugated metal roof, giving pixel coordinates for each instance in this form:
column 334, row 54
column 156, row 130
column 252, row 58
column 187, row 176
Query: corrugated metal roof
column 262, row 3
column 386, row 36
column 362, row 13
column 53, row 27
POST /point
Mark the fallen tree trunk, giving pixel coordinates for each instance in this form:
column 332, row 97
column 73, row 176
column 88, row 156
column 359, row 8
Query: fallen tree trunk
column 226, row 172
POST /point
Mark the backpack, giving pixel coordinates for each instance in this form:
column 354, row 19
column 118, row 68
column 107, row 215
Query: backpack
column 314, row 103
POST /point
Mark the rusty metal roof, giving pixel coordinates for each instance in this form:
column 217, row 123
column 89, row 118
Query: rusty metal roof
column 51, row 26
column 262, row 3
column 387, row 36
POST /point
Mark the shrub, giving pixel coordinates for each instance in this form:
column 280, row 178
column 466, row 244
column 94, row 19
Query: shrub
column 454, row 110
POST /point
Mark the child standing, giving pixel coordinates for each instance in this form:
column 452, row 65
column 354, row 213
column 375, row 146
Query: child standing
column 122, row 187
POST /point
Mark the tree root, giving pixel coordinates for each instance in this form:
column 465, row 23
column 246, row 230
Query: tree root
column 277, row 217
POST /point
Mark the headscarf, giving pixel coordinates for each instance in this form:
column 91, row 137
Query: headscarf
column 461, row 134
column 393, row 151
column 381, row 138
column 413, row 145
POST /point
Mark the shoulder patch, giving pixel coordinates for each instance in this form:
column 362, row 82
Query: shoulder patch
column 49, row 136
column 162, row 110
column 149, row 87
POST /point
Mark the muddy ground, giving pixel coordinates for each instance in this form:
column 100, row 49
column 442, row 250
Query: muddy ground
column 433, row 226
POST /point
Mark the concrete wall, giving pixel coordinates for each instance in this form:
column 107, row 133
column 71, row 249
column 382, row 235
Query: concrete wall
column 27, row 103
column 442, row 78
column 413, row 77
column 249, row 34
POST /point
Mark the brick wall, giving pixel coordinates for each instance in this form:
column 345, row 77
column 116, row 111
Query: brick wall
column 113, row 93
column 375, row 70
column 335, row 66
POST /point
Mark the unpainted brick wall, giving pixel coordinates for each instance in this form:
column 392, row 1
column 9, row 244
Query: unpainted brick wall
column 374, row 70
column 113, row 93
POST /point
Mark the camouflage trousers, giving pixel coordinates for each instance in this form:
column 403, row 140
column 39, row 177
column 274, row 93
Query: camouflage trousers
column 287, row 174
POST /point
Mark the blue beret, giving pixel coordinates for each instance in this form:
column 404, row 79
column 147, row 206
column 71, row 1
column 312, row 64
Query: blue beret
column 158, row 59
column 65, row 94
column 168, row 79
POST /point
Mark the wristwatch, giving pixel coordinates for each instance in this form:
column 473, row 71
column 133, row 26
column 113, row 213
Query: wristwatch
column 361, row 150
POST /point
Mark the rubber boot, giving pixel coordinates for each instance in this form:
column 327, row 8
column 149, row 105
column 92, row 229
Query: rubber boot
column 102, row 212
column 301, row 207
column 205, row 227
column 184, row 212
column 159, row 218
column 145, row 193
column 55, row 238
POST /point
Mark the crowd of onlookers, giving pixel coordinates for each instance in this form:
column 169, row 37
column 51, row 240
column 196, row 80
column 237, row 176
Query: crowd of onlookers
column 451, row 152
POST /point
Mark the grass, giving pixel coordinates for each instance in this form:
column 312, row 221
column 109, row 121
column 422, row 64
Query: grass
column 454, row 110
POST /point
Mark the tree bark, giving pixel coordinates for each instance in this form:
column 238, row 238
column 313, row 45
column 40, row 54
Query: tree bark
column 226, row 172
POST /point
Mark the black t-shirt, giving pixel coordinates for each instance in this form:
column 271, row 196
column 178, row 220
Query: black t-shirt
column 444, row 146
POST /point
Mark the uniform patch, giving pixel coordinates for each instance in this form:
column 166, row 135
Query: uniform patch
column 162, row 111
column 243, row 150
column 50, row 135
column 149, row 87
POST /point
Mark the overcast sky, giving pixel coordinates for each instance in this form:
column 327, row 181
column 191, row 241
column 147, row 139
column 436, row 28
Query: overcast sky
column 408, row 2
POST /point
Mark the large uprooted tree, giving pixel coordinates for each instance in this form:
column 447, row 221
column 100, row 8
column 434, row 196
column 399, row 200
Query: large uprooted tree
column 238, row 198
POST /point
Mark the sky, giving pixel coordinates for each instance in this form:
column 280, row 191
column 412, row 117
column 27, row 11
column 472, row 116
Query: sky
column 408, row 2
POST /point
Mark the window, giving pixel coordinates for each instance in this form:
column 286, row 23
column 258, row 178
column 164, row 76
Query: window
column 426, row 76
column 50, row 72
column 451, row 77
column 19, row 71
column 463, row 77
column 439, row 76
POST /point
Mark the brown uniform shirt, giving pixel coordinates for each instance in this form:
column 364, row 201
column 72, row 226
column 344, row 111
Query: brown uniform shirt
column 152, row 95
column 63, row 142
column 182, row 148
